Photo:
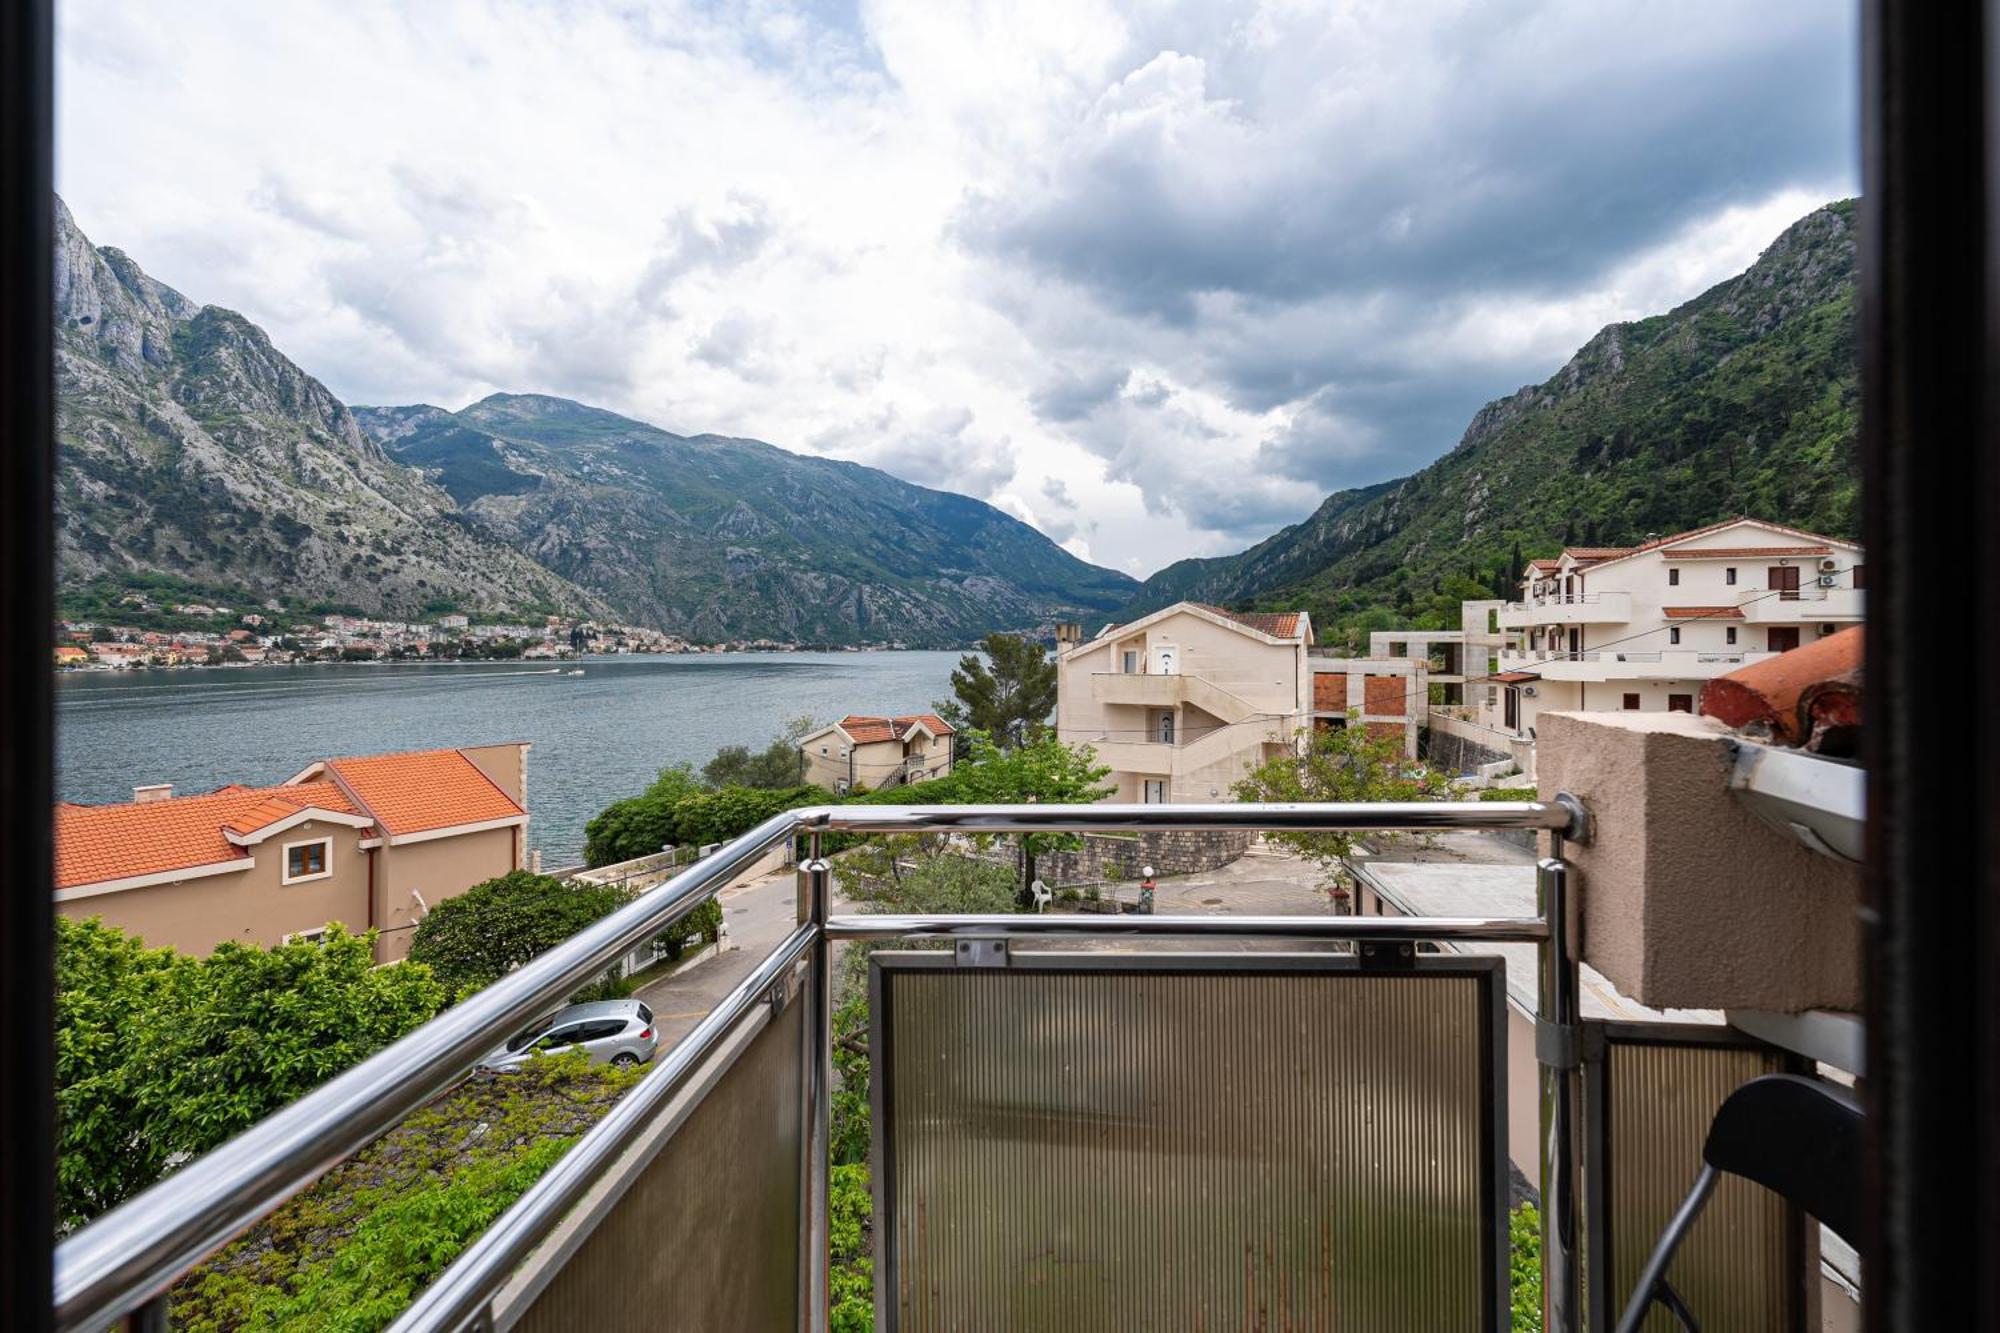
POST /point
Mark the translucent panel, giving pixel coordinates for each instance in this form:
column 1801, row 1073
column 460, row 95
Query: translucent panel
column 1742, row 1266
column 707, row 1235
column 1187, row 1142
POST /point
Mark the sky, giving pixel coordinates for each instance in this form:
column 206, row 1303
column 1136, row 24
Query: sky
column 1153, row 277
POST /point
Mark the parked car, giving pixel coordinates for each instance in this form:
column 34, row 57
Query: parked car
column 610, row 1032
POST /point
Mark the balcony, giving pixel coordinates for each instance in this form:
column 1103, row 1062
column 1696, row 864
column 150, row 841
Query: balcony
column 1617, row 664
column 1580, row 608
column 1137, row 688
column 1802, row 607
column 1062, row 1138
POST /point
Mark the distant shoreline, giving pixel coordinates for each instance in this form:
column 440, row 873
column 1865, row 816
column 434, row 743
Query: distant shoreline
column 545, row 664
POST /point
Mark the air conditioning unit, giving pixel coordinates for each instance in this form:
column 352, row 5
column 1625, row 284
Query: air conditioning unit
column 1528, row 691
column 1827, row 580
column 1828, row 566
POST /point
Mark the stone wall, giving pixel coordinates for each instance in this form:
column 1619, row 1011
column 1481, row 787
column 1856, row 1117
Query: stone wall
column 1459, row 754
column 1172, row 852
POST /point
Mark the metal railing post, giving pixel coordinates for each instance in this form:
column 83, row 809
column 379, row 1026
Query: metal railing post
column 1558, row 1052
column 815, row 1259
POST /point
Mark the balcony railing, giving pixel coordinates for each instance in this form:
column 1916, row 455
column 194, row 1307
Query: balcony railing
column 770, row 1038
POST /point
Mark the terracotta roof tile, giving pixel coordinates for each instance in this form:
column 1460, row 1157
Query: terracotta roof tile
column 1597, row 552
column 1747, row 552
column 424, row 790
column 867, row 729
column 95, row 843
column 1277, row 624
column 1702, row 612
column 1516, row 677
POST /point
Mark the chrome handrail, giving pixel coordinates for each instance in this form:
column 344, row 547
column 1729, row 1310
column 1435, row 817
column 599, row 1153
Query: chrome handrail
column 134, row 1253
column 140, row 1248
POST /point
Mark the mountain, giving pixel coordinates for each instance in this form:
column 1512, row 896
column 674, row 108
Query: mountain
column 190, row 447
column 194, row 453
column 1742, row 401
column 716, row 538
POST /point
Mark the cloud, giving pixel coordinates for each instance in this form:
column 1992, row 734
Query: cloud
column 937, row 448
column 1154, row 276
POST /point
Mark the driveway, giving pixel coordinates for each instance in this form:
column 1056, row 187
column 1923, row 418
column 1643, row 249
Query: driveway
column 759, row 914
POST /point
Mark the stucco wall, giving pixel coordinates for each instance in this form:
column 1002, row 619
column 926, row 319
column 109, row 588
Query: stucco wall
column 249, row 906
column 506, row 766
column 1269, row 683
column 439, row 868
column 1688, row 900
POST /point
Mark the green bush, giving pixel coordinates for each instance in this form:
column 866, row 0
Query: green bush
column 704, row 922
column 852, row 1210
column 492, row 928
column 1509, row 794
column 1524, row 1268
column 639, row 825
column 161, row 1055
column 349, row 1253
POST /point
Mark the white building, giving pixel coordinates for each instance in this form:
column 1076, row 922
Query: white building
column 1182, row 702
column 1642, row 627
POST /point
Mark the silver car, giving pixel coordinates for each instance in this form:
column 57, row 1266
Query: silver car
column 610, row 1032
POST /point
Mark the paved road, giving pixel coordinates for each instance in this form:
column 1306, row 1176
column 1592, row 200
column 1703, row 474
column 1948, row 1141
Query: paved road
column 759, row 914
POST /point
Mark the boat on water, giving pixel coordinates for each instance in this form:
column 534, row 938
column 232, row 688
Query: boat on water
column 576, row 671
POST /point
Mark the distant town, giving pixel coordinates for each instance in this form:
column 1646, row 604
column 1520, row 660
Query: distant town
column 271, row 635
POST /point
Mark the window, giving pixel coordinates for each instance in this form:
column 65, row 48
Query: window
column 1631, row 702
column 1674, row 634
column 1166, row 728
column 1131, row 662
column 1680, row 703
column 1729, row 576
column 1673, row 578
column 1729, row 634
column 561, row 1037
column 313, row 936
column 1857, row 578
column 308, row 860
column 1156, row 791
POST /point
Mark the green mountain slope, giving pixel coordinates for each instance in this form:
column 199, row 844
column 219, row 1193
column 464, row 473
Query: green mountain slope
column 717, row 538
column 1741, row 401
column 190, row 447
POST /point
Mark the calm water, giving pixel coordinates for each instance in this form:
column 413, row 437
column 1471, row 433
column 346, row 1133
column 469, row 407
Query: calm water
column 597, row 737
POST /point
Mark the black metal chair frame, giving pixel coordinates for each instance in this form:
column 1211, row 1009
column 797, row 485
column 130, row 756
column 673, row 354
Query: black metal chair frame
column 1799, row 1138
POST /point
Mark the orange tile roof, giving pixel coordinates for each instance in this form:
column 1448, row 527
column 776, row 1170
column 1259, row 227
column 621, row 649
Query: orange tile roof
column 1584, row 553
column 1516, row 677
column 1729, row 552
column 95, row 843
column 423, row 790
column 1277, row 624
column 1545, row 564
column 1701, row 612
column 867, row 729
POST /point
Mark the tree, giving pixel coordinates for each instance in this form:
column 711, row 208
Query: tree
column 639, row 825
column 1011, row 699
column 1348, row 763
column 776, row 765
column 718, row 816
column 160, row 1055
column 492, row 928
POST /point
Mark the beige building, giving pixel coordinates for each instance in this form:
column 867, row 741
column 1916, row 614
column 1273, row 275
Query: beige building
column 875, row 752
column 371, row 842
column 1641, row 628
column 1182, row 702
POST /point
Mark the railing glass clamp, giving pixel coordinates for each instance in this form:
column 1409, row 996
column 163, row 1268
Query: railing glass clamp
column 981, row 953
